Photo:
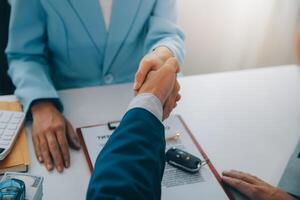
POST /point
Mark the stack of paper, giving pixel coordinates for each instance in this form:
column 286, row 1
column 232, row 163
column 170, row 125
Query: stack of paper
column 18, row 158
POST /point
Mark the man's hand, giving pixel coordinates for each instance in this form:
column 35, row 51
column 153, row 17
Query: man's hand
column 162, row 83
column 171, row 101
column 51, row 133
column 153, row 62
column 253, row 187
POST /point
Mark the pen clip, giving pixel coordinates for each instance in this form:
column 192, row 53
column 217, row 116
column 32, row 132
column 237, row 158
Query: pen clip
column 112, row 125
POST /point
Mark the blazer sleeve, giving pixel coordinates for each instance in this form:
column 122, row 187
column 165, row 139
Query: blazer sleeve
column 27, row 53
column 131, row 164
column 290, row 179
column 163, row 30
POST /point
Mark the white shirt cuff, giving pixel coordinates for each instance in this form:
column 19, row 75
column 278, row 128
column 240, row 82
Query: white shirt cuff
column 148, row 102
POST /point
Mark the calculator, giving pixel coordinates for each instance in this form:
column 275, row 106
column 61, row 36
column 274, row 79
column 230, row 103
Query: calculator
column 10, row 124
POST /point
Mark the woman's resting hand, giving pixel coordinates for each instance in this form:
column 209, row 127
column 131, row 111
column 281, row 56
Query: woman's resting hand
column 52, row 134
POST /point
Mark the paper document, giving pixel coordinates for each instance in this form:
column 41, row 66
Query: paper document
column 176, row 184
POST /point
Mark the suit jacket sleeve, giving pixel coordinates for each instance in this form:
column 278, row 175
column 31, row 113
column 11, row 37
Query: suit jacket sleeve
column 290, row 180
column 27, row 53
column 163, row 30
column 131, row 164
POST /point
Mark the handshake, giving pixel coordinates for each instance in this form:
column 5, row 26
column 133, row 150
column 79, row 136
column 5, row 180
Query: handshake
column 161, row 82
column 53, row 134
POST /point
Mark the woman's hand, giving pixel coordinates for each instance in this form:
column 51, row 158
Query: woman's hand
column 51, row 134
column 253, row 187
column 151, row 62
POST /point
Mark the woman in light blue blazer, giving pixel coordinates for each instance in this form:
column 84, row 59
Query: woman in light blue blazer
column 60, row 44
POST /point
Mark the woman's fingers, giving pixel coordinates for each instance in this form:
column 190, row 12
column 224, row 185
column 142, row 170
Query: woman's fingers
column 178, row 97
column 64, row 147
column 55, row 151
column 50, row 134
column 171, row 102
column 45, row 152
column 72, row 136
column 168, row 107
column 36, row 145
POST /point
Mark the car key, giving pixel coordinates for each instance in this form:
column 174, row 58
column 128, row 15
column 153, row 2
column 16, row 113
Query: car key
column 183, row 160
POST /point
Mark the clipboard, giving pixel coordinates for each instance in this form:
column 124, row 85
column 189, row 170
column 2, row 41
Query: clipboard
column 110, row 125
column 209, row 163
column 83, row 144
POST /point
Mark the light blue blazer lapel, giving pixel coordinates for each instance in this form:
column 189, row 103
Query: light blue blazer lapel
column 123, row 14
column 90, row 14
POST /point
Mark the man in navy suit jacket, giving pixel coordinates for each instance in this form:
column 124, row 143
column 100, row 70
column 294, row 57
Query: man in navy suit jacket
column 131, row 164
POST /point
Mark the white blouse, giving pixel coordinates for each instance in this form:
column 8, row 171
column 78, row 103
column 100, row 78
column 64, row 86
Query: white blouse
column 106, row 6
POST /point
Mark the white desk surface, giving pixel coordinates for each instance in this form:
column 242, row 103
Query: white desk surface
column 247, row 120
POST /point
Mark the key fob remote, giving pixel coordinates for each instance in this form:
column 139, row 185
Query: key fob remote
column 183, row 160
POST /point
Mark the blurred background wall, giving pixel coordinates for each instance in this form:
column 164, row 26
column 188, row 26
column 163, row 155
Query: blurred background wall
column 224, row 35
